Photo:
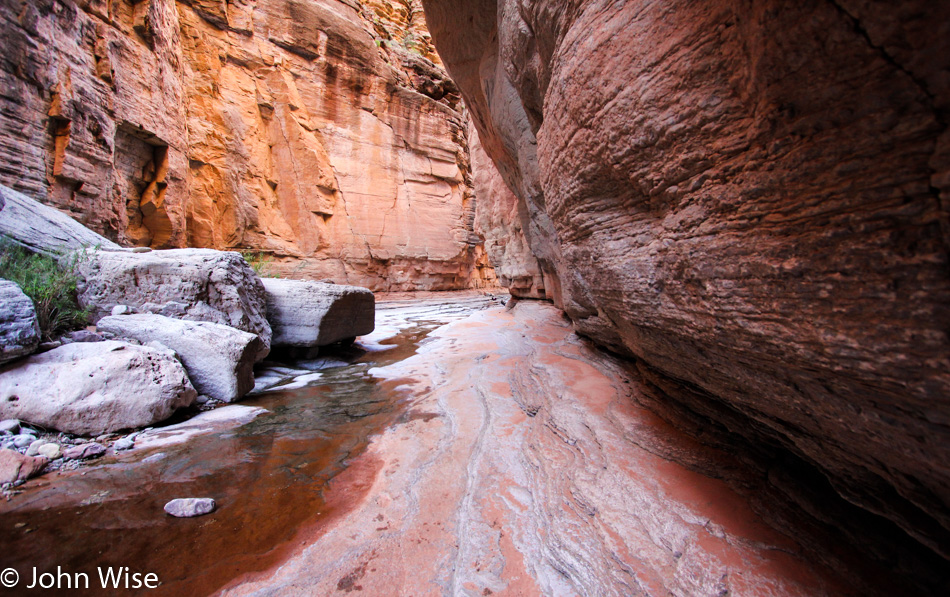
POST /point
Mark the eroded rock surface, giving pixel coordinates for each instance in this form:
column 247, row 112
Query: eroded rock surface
column 19, row 328
column 306, row 314
column 219, row 359
column 192, row 284
column 751, row 199
column 528, row 466
column 42, row 228
column 95, row 388
column 315, row 131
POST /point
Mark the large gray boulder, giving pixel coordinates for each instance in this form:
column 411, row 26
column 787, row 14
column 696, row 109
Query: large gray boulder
column 189, row 284
column 19, row 329
column 94, row 388
column 219, row 359
column 44, row 229
column 305, row 314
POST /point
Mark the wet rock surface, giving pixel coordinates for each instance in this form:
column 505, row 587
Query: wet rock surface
column 277, row 466
column 529, row 465
column 750, row 199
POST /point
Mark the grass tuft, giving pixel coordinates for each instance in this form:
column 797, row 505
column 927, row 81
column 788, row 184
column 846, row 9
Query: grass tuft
column 50, row 282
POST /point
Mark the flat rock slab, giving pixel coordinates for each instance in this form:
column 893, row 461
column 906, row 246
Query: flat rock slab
column 17, row 467
column 19, row 328
column 190, row 507
column 219, row 358
column 44, row 229
column 84, row 451
column 189, row 284
column 306, row 314
column 95, row 388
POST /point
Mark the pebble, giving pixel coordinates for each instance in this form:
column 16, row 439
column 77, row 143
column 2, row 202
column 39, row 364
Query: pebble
column 34, row 448
column 85, row 451
column 121, row 310
column 126, row 443
column 51, row 451
column 190, row 507
column 11, row 425
column 23, row 440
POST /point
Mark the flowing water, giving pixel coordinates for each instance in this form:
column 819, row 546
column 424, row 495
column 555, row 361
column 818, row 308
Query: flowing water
column 272, row 476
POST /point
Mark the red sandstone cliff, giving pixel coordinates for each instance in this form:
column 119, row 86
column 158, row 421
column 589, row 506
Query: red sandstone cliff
column 750, row 198
column 314, row 131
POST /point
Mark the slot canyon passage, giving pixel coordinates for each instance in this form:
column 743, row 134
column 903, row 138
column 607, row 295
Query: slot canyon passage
column 518, row 297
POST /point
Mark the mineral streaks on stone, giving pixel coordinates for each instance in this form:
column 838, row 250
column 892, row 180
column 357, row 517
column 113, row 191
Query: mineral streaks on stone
column 302, row 129
column 750, row 199
column 526, row 468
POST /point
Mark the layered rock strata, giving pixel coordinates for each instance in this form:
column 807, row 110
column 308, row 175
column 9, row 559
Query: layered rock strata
column 749, row 198
column 43, row 229
column 301, row 129
column 528, row 466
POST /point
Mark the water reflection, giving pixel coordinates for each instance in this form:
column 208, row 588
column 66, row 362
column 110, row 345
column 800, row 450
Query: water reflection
column 269, row 477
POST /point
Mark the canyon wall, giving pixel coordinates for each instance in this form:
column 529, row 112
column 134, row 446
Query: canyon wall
column 750, row 199
column 314, row 132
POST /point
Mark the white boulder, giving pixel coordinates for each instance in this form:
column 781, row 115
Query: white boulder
column 95, row 388
column 189, row 284
column 305, row 314
column 219, row 359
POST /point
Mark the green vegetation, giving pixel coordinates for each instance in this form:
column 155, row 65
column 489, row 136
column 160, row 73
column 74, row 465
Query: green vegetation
column 259, row 262
column 50, row 282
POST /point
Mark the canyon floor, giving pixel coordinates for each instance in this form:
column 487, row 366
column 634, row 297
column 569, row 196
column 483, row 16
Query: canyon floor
column 466, row 449
column 527, row 467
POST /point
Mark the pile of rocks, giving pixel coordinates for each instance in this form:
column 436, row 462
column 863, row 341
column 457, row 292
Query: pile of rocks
column 174, row 329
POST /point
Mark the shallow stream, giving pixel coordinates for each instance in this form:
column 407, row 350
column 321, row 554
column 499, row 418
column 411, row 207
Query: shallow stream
column 270, row 474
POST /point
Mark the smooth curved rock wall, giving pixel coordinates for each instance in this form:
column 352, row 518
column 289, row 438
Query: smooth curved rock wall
column 750, row 198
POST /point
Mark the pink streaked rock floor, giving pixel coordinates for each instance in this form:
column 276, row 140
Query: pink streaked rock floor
column 528, row 467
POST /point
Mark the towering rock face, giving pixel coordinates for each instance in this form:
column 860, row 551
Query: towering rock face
column 751, row 199
column 498, row 221
column 290, row 127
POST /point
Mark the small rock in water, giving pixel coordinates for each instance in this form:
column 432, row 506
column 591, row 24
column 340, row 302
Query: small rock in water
column 125, row 443
column 23, row 440
column 201, row 399
column 190, row 507
column 85, row 451
column 51, row 451
column 11, row 425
